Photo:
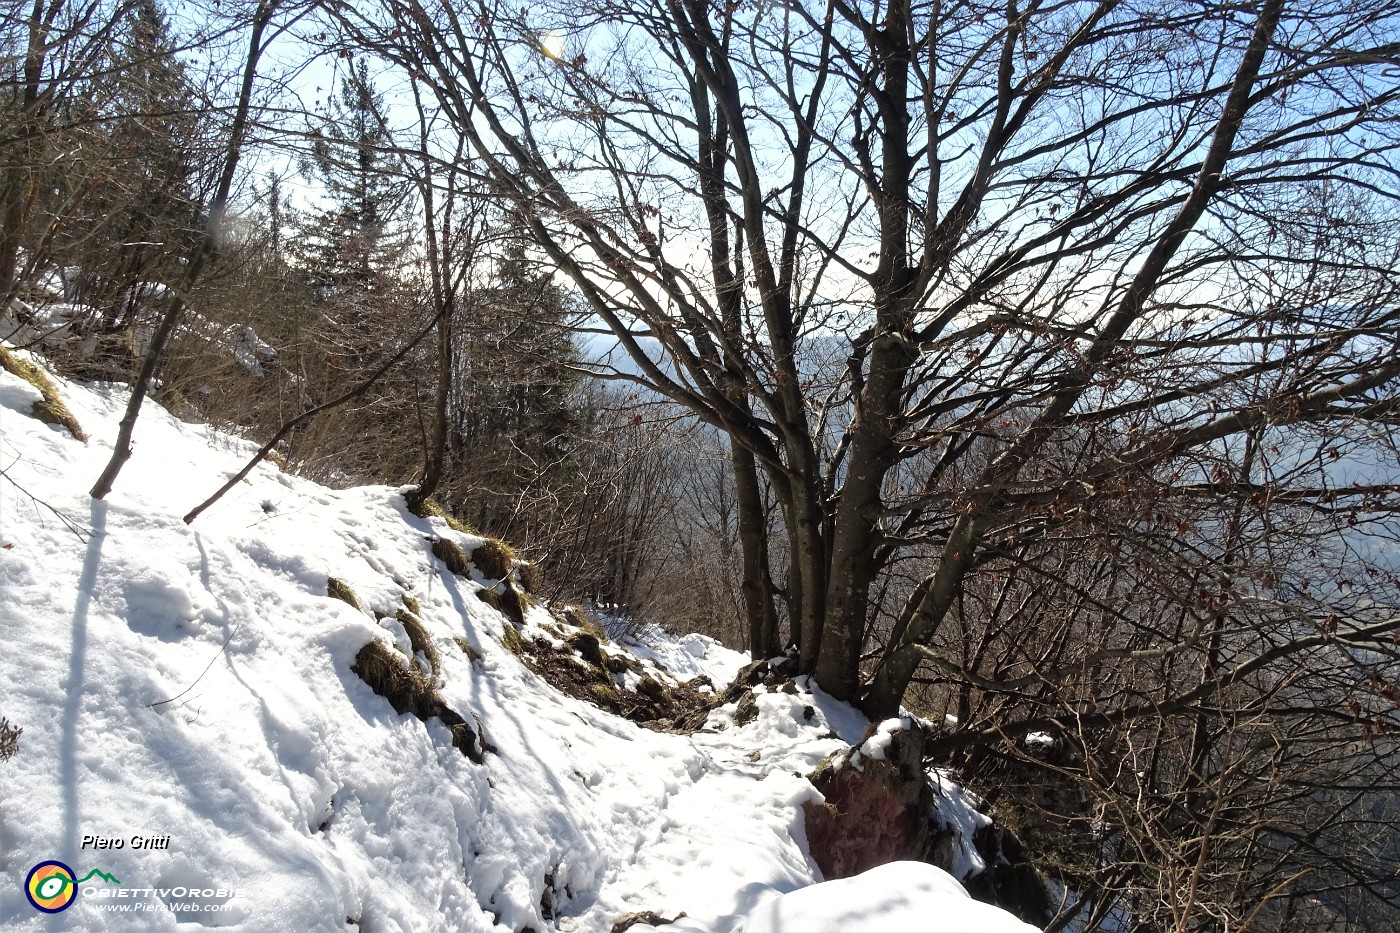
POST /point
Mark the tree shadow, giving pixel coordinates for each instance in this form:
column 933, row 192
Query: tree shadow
column 75, row 688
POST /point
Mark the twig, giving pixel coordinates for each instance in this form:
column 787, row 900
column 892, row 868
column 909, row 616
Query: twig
column 83, row 536
column 216, row 657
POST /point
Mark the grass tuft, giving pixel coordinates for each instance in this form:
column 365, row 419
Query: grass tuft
column 451, row 554
column 579, row 619
column 531, row 576
column 514, row 604
column 337, row 588
column 431, row 508
column 468, row 649
column 494, row 558
column 9, row 739
column 410, row 692
column 510, row 637
column 418, row 638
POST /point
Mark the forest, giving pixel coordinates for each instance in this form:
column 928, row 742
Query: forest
column 1030, row 365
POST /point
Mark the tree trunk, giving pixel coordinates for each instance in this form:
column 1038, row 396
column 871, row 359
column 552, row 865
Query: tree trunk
column 757, row 587
column 853, row 554
column 203, row 251
column 20, row 180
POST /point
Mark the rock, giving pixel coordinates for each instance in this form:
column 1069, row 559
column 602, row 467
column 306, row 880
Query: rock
column 587, row 645
column 648, row 917
column 876, row 810
column 1011, row 880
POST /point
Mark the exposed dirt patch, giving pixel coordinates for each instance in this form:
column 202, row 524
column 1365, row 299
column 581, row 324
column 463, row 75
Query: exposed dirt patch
column 653, row 703
column 774, row 674
column 648, row 917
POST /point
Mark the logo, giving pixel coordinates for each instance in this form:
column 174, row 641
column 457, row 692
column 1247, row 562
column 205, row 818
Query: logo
column 52, row 887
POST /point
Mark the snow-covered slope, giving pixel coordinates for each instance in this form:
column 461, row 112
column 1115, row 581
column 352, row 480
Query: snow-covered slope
column 193, row 729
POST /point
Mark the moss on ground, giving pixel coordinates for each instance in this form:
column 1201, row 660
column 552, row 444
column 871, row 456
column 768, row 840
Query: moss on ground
column 586, row 644
column 50, row 409
column 579, row 619
column 604, row 695
column 654, row 690
column 510, row 637
column 621, row 663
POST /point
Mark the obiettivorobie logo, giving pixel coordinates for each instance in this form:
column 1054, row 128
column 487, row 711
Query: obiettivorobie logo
column 53, row 887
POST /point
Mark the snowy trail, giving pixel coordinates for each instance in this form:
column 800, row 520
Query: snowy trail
column 195, row 683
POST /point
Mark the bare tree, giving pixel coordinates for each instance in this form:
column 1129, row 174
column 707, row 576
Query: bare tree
column 49, row 51
column 454, row 230
column 1022, row 225
column 991, row 299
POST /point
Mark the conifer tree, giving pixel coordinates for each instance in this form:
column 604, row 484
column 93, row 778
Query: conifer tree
column 516, row 402
column 147, row 213
column 518, row 356
column 116, row 194
column 351, row 250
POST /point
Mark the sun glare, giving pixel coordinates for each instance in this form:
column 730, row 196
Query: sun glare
column 553, row 46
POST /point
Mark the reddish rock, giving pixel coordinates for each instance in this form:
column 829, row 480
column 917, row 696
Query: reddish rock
column 876, row 811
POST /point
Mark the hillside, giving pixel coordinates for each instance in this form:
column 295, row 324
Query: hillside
column 199, row 724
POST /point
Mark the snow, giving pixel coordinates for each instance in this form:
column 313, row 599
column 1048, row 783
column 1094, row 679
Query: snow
column 876, row 747
column 193, row 682
column 51, row 320
column 960, row 816
column 906, row 897
column 688, row 656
